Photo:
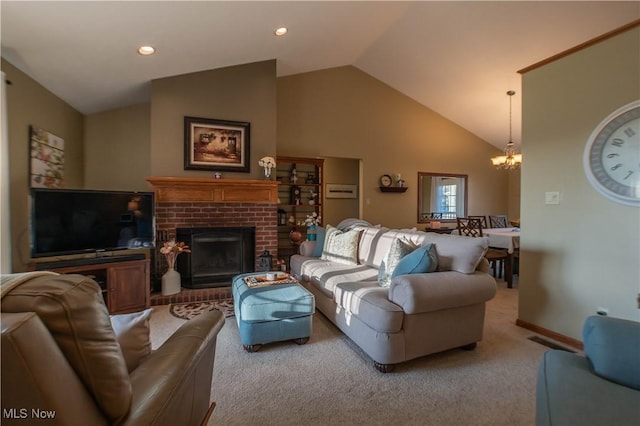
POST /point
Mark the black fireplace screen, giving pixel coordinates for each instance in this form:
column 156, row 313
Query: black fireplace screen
column 217, row 255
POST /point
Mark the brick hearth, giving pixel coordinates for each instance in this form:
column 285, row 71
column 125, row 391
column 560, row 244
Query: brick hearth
column 195, row 295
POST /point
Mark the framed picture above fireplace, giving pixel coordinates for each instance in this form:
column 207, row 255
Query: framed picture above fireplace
column 216, row 145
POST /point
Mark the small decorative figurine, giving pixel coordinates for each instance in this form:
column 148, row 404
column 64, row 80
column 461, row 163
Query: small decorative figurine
column 268, row 163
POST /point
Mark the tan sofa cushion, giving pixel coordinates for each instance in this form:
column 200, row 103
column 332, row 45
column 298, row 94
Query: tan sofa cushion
column 458, row 253
column 370, row 304
column 455, row 253
column 367, row 253
column 325, row 275
column 72, row 309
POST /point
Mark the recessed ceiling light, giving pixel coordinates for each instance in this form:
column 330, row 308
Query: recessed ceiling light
column 146, row 50
column 281, row 31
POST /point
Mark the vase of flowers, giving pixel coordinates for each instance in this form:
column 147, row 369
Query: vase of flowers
column 312, row 221
column 171, row 279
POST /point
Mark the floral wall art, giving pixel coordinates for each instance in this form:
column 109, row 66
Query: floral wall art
column 47, row 159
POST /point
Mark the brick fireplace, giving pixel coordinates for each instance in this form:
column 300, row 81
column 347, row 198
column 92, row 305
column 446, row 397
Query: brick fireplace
column 200, row 203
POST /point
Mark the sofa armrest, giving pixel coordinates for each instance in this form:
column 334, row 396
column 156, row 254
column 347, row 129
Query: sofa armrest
column 417, row 293
column 307, row 247
column 173, row 384
column 568, row 393
column 612, row 345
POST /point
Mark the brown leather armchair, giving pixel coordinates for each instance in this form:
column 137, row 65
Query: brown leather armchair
column 61, row 358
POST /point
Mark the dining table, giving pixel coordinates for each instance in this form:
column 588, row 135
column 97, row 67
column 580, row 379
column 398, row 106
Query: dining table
column 503, row 238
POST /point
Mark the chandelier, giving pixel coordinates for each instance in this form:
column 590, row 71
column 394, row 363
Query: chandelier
column 511, row 159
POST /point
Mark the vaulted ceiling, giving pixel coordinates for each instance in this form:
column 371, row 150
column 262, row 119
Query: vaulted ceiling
column 457, row 58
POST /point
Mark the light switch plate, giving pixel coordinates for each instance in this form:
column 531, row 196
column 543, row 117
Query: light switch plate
column 552, row 197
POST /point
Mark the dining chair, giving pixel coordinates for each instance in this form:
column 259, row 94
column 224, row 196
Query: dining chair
column 483, row 220
column 498, row 221
column 472, row 227
column 469, row 226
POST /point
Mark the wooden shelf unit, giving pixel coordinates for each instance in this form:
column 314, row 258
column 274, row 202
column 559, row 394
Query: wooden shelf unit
column 125, row 285
column 310, row 179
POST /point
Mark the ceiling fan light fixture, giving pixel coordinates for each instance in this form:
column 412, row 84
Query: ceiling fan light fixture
column 512, row 159
column 146, row 50
column 281, row 31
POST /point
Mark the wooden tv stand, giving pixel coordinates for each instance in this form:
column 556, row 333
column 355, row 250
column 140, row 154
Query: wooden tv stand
column 125, row 284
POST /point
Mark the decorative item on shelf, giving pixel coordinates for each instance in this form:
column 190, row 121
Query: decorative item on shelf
column 295, row 236
column 217, row 175
column 265, row 261
column 268, row 163
column 292, row 220
column 310, row 178
column 282, row 265
column 385, row 181
column 312, row 197
column 171, row 279
column 293, row 177
column 312, row 221
column 386, row 184
column 296, row 195
column 282, row 217
column 511, row 159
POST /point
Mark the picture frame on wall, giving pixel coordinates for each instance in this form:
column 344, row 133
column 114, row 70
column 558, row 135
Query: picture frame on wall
column 46, row 154
column 216, row 145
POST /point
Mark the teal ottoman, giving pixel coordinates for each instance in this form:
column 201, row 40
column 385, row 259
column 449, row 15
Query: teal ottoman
column 271, row 313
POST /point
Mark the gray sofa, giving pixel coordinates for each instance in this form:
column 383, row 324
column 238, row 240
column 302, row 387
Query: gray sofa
column 600, row 388
column 419, row 313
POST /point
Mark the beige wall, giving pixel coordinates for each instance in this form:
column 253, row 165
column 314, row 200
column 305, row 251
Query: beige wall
column 117, row 149
column 28, row 103
column 513, row 211
column 335, row 113
column 343, row 112
column 340, row 171
column 239, row 93
column 583, row 253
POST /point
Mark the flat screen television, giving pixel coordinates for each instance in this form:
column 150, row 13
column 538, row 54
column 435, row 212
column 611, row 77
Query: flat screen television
column 72, row 221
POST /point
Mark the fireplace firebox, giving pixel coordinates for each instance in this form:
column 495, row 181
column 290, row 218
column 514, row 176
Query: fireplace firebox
column 217, row 255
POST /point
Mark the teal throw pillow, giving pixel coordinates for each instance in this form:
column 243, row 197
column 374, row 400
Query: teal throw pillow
column 320, row 235
column 421, row 260
column 399, row 248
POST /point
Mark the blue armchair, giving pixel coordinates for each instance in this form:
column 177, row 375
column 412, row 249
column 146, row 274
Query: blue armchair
column 600, row 388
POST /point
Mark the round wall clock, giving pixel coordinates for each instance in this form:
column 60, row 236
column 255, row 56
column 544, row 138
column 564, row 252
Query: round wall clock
column 612, row 155
column 385, row 180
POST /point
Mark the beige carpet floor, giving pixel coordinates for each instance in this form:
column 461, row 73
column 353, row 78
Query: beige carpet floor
column 329, row 381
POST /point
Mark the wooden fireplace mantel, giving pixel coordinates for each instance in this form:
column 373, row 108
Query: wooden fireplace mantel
column 181, row 189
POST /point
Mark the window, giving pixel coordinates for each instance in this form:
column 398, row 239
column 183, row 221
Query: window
column 447, row 199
